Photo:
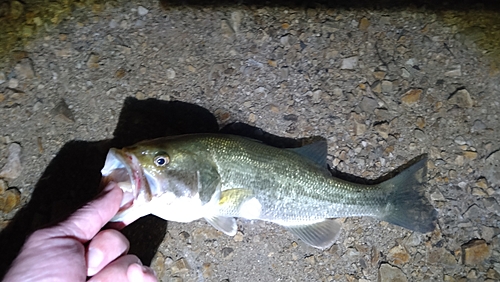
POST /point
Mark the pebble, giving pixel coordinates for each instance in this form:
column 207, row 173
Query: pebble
column 389, row 273
column 364, row 23
column 141, row 11
column 471, row 155
column 226, row 29
column 236, row 18
column 419, row 134
column 12, row 168
column 368, row 105
column 383, row 129
column 93, row 61
column 349, row 63
column 420, row 122
column 24, row 70
column 478, row 126
column 387, row 86
column 226, row 252
column 3, row 186
column 461, row 98
column 492, row 205
column 13, row 83
column 238, row 237
column 460, row 140
column 456, row 71
column 491, row 171
column 475, row 251
column 63, row 112
column 2, row 77
column 170, row 74
column 411, row 97
column 379, row 75
column 9, row 200
column 180, row 266
column 398, row 255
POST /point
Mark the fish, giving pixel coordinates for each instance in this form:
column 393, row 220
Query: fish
column 221, row 177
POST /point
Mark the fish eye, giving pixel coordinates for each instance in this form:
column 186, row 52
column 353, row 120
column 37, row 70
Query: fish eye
column 161, row 160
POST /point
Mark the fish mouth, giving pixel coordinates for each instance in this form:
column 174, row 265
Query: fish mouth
column 124, row 169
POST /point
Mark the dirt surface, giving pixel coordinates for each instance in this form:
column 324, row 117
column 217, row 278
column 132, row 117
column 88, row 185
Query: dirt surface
column 383, row 86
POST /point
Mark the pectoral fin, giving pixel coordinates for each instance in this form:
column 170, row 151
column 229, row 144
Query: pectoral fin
column 223, row 224
column 320, row 235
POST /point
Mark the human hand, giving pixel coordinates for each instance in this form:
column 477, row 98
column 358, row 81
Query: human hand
column 75, row 249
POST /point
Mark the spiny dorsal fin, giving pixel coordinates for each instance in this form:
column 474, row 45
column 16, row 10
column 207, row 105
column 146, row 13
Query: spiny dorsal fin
column 315, row 152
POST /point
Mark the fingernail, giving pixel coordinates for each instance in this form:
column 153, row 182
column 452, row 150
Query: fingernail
column 95, row 257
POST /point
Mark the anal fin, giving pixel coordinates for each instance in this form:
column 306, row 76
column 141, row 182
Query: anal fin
column 320, row 235
column 227, row 225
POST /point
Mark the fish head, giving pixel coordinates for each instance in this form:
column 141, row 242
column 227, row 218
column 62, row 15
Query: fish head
column 156, row 178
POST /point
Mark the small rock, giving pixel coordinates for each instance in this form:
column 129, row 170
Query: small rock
column 383, row 129
column 3, row 186
column 387, row 86
column 63, row 112
column 359, row 124
column 93, row 61
column 421, row 122
column 284, row 40
column 471, row 155
column 475, row 251
column 478, row 126
column 389, row 273
column 158, row 264
column 487, row 233
column 461, row 98
column 180, row 266
column 13, row 83
column 405, row 73
column 368, row 105
column 236, row 18
column 411, row 97
column 310, row 259
column 460, row 140
column 142, row 11
column 364, row 23
column 379, row 75
column 226, row 29
column 492, row 168
column 227, row 251
column 10, row 200
column 492, row 205
column 316, row 97
column 456, row 71
column 482, row 183
column 24, row 69
column 349, row 63
column 12, row 168
column 170, row 74
column 437, row 196
column 2, row 77
column 238, row 237
column 419, row 134
column 207, row 270
column 398, row 255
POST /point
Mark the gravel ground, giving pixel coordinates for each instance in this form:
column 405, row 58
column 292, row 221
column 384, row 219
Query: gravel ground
column 383, row 86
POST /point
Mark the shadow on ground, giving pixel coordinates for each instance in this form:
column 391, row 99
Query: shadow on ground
column 73, row 176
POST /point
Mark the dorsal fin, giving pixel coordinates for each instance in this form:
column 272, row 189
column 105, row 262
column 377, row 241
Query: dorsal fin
column 315, row 152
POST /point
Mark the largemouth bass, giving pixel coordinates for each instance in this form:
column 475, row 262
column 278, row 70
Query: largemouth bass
column 220, row 177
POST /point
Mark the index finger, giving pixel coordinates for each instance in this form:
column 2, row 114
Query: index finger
column 84, row 224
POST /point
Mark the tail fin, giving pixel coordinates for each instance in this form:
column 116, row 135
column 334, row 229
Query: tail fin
column 407, row 205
